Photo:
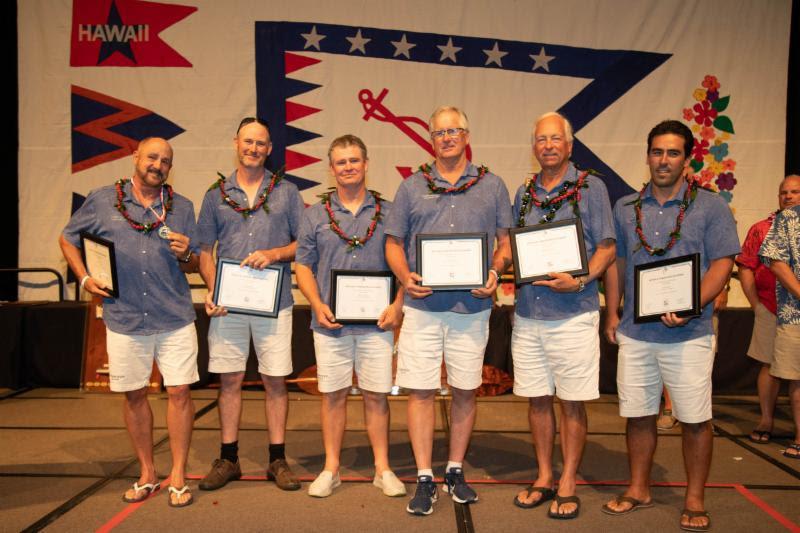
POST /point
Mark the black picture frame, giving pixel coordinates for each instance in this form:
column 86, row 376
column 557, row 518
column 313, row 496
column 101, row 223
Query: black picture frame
column 516, row 233
column 422, row 238
column 693, row 260
column 337, row 274
column 110, row 253
column 226, row 263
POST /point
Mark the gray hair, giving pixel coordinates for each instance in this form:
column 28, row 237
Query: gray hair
column 567, row 125
column 462, row 117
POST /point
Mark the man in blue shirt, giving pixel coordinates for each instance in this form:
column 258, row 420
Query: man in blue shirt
column 345, row 231
column 555, row 341
column 781, row 252
column 670, row 217
column 451, row 196
column 253, row 216
column 153, row 232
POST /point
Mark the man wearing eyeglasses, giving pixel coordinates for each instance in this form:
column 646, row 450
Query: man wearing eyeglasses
column 252, row 216
column 450, row 196
column 555, row 342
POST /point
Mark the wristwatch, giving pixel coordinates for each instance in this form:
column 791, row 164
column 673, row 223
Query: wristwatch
column 187, row 258
column 581, row 284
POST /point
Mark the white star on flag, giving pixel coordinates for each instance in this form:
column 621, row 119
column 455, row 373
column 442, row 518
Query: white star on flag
column 358, row 43
column 541, row 60
column 448, row 50
column 312, row 39
column 403, row 47
column 495, row 55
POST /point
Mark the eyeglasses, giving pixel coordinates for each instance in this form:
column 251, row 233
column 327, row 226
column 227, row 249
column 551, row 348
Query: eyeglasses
column 450, row 132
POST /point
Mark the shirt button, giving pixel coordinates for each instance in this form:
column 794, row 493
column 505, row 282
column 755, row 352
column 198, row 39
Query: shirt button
column 657, row 233
column 537, row 297
column 660, row 212
column 452, row 205
column 452, row 225
column 250, row 234
column 145, row 314
column 144, row 273
column 144, row 251
column 354, row 257
column 144, row 294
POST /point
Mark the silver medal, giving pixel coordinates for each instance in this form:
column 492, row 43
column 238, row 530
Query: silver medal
column 164, row 231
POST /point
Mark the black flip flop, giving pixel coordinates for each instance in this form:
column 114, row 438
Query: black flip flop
column 547, row 495
column 760, row 436
column 696, row 514
column 635, row 504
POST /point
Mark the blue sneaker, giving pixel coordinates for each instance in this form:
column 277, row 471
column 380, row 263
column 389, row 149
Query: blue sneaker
column 425, row 496
column 457, row 488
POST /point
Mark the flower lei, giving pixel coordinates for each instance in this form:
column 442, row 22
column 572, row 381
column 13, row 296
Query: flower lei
column 354, row 241
column 426, row 173
column 138, row 226
column 263, row 198
column 675, row 234
column 569, row 191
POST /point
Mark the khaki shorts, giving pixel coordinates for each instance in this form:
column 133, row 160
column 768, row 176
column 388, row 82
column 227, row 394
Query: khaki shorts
column 762, row 343
column 786, row 363
column 130, row 358
column 229, row 343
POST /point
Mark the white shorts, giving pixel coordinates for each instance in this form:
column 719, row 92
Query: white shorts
column 426, row 335
column 684, row 367
column 371, row 353
column 130, row 358
column 229, row 343
column 557, row 356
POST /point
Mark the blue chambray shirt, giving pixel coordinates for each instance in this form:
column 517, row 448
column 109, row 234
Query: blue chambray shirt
column 782, row 243
column 154, row 295
column 483, row 208
column 239, row 236
column 542, row 303
column 322, row 250
column 708, row 228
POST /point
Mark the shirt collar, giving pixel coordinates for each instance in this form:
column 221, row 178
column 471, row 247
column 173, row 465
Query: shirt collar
column 233, row 182
column 648, row 193
column 127, row 189
column 336, row 204
column 570, row 175
column 471, row 171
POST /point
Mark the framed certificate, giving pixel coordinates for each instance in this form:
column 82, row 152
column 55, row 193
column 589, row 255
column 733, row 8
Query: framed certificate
column 552, row 247
column 668, row 286
column 452, row 261
column 248, row 291
column 100, row 260
column 360, row 296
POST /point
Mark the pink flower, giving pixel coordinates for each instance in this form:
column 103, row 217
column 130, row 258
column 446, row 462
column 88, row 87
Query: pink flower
column 700, row 150
column 705, row 113
column 687, row 113
column 711, row 83
column 707, row 133
column 729, row 165
column 705, row 177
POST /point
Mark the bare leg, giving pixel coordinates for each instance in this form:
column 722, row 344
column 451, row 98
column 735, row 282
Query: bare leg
column 542, row 422
column 180, row 418
column 376, row 413
column 139, row 421
column 698, row 444
column 667, row 400
column 230, row 405
column 641, row 439
column 768, row 387
column 573, row 439
column 421, row 419
column 462, row 419
column 277, row 407
column 334, row 418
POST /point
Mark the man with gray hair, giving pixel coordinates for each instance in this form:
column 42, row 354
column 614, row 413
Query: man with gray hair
column 555, row 342
column 450, row 196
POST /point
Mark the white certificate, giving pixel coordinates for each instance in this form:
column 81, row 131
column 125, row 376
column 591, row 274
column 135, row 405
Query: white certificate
column 667, row 289
column 452, row 263
column 99, row 258
column 555, row 247
column 361, row 298
column 248, row 290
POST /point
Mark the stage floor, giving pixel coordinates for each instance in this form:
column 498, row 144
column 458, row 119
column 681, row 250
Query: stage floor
column 67, row 460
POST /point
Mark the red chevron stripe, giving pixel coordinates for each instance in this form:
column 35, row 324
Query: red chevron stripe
column 296, row 111
column 296, row 160
column 295, row 62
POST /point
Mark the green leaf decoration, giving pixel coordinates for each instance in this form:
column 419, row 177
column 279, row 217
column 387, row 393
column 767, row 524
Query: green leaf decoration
column 721, row 104
column 723, row 123
column 696, row 165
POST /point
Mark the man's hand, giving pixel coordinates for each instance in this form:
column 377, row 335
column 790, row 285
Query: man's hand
column 325, row 317
column 179, row 244
column 412, row 287
column 612, row 323
column 671, row 320
column 214, row 310
column 487, row 290
column 391, row 318
column 95, row 286
column 259, row 259
column 561, row 282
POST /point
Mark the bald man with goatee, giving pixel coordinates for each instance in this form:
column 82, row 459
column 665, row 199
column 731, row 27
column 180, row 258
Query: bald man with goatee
column 152, row 317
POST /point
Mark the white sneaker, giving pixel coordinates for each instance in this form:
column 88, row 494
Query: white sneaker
column 389, row 484
column 323, row 486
